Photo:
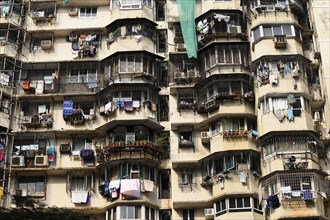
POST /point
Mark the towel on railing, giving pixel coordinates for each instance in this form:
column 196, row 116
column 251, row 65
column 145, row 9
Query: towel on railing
column 79, row 196
column 129, row 106
column 130, row 188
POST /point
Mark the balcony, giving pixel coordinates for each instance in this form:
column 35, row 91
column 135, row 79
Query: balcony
column 130, row 146
column 135, row 9
column 303, row 191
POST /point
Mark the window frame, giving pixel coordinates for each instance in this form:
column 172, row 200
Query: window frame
column 86, row 14
column 74, row 182
column 88, row 77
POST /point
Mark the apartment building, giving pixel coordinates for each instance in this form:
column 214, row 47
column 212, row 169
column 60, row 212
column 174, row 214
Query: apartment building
column 155, row 109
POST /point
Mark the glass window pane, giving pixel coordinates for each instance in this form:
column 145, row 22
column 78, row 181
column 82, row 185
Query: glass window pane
column 256, row 34
column 131, row 212
column 247, row 202
column 221, row 56
column 130, row 64
column 268, row 31
column 232, row 203
column 228, row 55
column 236, row 55
column 123, row 64
column 239, row 202
column 138, row 64
column 287, row 30
column 277, row 30
column 123, row 212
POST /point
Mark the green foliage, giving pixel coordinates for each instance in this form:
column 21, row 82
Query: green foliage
column 52, row 213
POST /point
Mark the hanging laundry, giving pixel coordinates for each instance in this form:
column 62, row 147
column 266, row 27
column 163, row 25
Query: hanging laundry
column 120, row 104
column 148, row 185
column 273, row 79
column 291, row 100
column 108, row 107
column 79, row 196
column 279, row 115
column 51, row 153
column 153, row 107
column 289, row 114
column 220, row 17
column 243, row 177
column 136, row 104
column 113, row 188
column 2, row 154
column 130, row 188
column 128, row 106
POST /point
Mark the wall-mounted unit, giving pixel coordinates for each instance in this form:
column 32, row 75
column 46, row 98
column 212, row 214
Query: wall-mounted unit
column 46, row 44
column 38, row 14
column 73, row 11
column 234, row 29
column 41, row 161
column 209, row 213
column 26, row 120
column 17, row 161
column 21, row 192
column 73, row 37
column 180, row 47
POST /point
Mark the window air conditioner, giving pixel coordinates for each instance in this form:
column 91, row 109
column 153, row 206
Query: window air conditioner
column 73, row 11
column 17, row 161
column 280, row 41
column 46, row 44
column 26, row 120
column 209, row 212
column 38, row 14
column 234, row 29
column 180, row 47
column 41, row 161
column 73, row 37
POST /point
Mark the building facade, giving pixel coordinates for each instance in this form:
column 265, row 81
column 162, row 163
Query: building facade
column 155, row 109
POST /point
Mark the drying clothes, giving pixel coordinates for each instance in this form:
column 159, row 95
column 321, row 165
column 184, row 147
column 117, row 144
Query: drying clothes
column 243, row 177
column 108, row 107
column 51, row 157
column 148, row 104
column 289, row 114
column 87, row 153
column 286, row 189
column 273, row 79
column 51, row 150
column 153, row 107
column 130, row 188
column 280, row 115
column 120, row 104
column 2, row 154
column 220, row 17
column 296, row 194
column 291, row 100
column 148, row 185
column 79, row 196
column 75, row 153
column 128, row 106
column 136, row 104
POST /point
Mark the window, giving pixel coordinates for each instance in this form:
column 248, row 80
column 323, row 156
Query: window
column 36, row 45
column 81, row 143
column 130, row 212
column 272, row 30
column 188, row 214
column 88, row 12
column 83, row 75
column 256, row 206
column 80, row 182
column 35, row 185
column 220, row 207
column 239, row 204
column 187, row 177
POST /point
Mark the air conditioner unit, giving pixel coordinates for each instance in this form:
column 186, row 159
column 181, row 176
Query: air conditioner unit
column 38, row 14
column 110, row 38
column 73, row 37
column 41, row 161
column 180, row 47
column 73, row 11
column 234, row 29
column 17, row 161
column 270, row 8
column 26, row 119
column 209, row 212
column 46, row 44
column 123, row 31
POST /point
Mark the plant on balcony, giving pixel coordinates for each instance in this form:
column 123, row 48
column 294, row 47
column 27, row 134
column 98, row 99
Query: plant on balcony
column 162, row 141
